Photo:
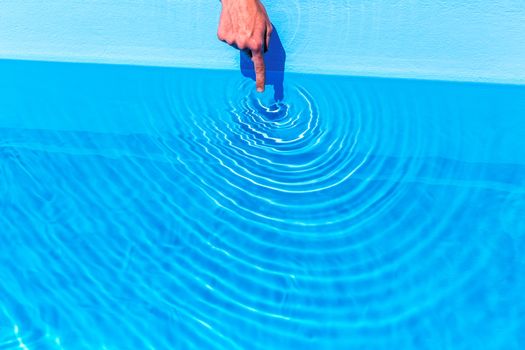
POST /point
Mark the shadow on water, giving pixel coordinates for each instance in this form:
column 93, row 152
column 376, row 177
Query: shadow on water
column 274, row 59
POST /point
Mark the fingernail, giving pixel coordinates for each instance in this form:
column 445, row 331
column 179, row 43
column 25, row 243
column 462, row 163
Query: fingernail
column 259, row 89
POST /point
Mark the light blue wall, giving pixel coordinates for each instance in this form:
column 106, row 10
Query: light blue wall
column 476, row 40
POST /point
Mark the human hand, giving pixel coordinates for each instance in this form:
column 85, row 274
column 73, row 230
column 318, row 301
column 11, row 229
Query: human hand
column 245, row 25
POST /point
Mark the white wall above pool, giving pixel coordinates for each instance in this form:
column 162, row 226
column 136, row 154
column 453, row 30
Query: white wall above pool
column 474, row 40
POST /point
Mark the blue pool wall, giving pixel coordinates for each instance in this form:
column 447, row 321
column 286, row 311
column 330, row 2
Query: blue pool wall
column 475, row 40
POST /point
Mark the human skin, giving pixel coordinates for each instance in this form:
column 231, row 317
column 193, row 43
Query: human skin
column 244, row 24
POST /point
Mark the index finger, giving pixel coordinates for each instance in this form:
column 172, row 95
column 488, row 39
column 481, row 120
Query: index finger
column 260, row 70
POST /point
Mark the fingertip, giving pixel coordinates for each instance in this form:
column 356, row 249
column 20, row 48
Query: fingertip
column 260, row 81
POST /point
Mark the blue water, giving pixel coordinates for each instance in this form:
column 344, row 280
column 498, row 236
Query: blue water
column 156, row 208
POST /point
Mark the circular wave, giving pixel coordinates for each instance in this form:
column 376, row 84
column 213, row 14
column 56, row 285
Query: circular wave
column 310, row 206
column 328, row 219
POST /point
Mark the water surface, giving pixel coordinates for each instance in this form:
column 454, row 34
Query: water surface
column 156, row 208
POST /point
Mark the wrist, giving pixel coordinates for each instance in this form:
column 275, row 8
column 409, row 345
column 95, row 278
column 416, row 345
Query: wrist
column 227, row 2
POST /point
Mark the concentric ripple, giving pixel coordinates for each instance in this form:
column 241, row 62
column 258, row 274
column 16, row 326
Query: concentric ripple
column 183, row 210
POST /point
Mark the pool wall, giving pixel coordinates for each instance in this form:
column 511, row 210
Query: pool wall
column 474, row 40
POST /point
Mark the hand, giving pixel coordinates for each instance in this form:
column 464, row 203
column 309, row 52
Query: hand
column 245, row 24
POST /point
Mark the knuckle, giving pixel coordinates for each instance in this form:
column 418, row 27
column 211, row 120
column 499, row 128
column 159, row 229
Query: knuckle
column 241, row 44
column 259, row 66
column 221, row 35
column 256, row 45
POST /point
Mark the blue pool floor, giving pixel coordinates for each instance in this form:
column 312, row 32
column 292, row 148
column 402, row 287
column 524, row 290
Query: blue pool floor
column 161, row 208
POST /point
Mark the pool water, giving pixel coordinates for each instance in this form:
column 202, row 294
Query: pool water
column 161, row 208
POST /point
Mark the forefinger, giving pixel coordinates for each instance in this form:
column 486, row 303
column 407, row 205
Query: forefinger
column 260, row 70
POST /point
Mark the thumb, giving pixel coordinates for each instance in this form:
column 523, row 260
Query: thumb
column 269, row 31
column 260, row 70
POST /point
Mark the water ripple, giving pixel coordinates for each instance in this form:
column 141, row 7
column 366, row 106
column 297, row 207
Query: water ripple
column 354, row 213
